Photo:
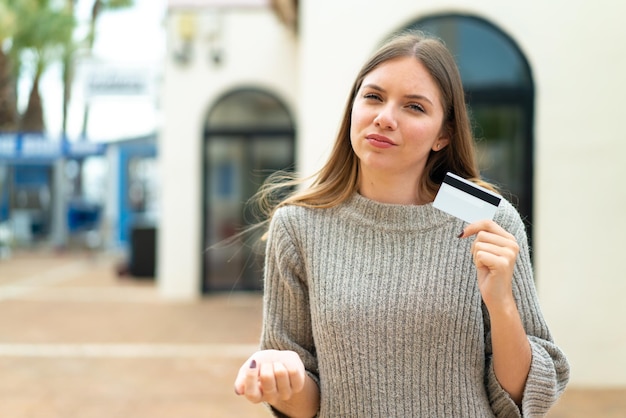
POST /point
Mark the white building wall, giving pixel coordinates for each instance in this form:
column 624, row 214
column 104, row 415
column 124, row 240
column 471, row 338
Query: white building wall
column 257, row 52
column 581, row 202
column 576, row 55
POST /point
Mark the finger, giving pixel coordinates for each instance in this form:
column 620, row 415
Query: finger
column 283, row 381
column 240, row 380
column 504, row 245
column 267, row 381
column 493, row 262
column 485, row 225
column 507, row 250
column 473, row 229
column 501, row 237
column 495, row 257
column 252, row 389
column 297, row 378
column 297, row 374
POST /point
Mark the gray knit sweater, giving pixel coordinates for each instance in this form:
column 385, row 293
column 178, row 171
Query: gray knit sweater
column 381, row 302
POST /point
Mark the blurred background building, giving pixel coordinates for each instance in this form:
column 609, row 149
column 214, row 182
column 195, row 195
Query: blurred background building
column 78, row 120
column 241, row 88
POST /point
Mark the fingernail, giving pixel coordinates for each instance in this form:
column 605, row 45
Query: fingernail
column 253, row 364
column 461, row 234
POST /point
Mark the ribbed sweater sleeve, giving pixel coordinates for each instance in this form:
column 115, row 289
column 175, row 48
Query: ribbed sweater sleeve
column 381, row 302
column 549, row 370
column 287, row 317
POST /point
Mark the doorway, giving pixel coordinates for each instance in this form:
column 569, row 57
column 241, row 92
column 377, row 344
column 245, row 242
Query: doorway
column 500, row 95
column 249, row 134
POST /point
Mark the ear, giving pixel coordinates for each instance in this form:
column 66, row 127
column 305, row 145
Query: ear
column 441, row 143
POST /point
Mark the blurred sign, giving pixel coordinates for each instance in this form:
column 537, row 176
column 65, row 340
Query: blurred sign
column 216, row 3
column 117, row 81
column 39, row 146
column 8, row 145
column 42, row 147
column 84, row 149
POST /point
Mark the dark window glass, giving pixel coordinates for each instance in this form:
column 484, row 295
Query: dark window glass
column 248, row 135
column 485, row 56
column 500, row 94
column 248, row 109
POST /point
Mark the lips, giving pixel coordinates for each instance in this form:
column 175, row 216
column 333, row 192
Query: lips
column 379, row 141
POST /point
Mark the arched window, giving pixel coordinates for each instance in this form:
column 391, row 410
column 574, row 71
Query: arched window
column 248, row 135
column 500, row 93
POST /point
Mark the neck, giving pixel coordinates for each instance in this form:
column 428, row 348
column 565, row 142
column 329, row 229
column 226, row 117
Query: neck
column 389, row 188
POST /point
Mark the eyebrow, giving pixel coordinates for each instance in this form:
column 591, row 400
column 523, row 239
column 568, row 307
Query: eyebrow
column 408, row 96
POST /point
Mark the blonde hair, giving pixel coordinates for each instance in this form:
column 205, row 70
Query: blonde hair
column 337, row 180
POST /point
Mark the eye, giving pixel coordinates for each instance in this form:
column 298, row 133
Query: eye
column 372, row 96
column 416, row 107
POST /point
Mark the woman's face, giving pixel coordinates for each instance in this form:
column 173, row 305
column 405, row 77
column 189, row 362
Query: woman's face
column 397, row 118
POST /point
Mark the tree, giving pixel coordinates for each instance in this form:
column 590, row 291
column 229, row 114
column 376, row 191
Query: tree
column 71, row 49
column 96, row 10
column 8, row 91
column 44, row 31
column 34, row 33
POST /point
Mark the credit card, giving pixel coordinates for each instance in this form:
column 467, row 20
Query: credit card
column 466, row 200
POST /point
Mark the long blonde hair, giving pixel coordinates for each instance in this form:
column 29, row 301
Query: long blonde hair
column 337, row 180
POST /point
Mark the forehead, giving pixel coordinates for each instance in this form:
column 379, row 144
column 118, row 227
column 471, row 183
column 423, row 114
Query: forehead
column 405, row 73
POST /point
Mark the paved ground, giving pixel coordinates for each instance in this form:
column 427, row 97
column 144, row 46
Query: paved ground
column 76, row 341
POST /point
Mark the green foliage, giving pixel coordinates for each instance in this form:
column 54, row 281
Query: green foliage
column 8, row 21
column 38, row 32
column 117, row 4
column 43, row 30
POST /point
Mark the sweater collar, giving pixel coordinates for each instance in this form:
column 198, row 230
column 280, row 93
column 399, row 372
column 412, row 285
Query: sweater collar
column 386, row 216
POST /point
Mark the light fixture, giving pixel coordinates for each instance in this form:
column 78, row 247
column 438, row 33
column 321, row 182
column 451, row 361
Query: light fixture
column 185, row 31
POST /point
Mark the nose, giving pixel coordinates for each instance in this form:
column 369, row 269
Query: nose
column 386, row 118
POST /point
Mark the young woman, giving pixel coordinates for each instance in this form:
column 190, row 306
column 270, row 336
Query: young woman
column 376, row 303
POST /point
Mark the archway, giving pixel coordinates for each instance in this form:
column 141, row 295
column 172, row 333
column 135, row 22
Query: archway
column 249, row 134
column 500, row 92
